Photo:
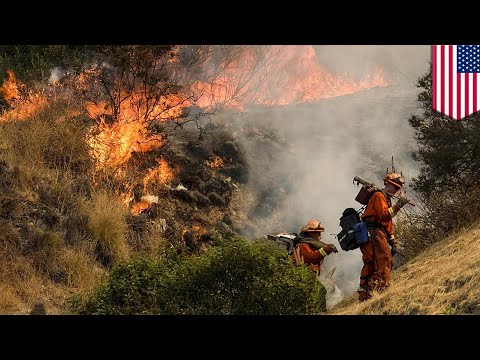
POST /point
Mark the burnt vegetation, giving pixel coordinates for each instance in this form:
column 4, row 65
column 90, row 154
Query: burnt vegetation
column 112, row 161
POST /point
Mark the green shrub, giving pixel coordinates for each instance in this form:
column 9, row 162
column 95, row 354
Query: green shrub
column 234, row 277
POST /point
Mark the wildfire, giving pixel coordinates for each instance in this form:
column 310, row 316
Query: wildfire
column 22, row 106
column 9, row 89
column 280, row 75
column 144, row 204
column 160, row 175
column 216, row 162
column 114, row 143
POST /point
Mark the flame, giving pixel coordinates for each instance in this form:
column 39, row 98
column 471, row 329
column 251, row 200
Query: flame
column 9, row 89
column 284, row 75
column 113, row 144
column 139, row 207
column 216, row 162
column 22, row 106
column 145, row 203
column 160, row 175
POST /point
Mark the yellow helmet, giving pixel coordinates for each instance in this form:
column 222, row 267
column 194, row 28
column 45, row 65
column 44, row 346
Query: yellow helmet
column 395, row 179
column 314, row 226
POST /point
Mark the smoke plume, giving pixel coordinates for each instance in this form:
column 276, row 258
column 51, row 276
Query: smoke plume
column 56, row 75
column 329, row 141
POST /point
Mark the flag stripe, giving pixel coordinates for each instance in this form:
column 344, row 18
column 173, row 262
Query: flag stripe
column 459, row 94
column 434, row 77
column 462, row 95
column 470, row 94
column 475, row 92
column 467, row 94
column 437, row 79
column 454, row 86
column 442, row 78
column 447, row 79
column 450, row 80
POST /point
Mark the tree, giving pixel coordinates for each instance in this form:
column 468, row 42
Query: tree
column 448, row 185
column 449, row 150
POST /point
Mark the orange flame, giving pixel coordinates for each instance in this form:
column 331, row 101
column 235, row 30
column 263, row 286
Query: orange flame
column 140, row 206
column 115, row 143
column 216, row 162
column 285, row 75
column 9, row 89
column 22, row 106
column 160, row 175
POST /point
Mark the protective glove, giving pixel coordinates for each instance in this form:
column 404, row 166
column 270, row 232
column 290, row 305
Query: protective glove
column 402, row 201
column 329, row 248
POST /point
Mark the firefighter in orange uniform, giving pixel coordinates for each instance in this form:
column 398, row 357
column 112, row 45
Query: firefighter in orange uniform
column 377, row 253
column 308, row 247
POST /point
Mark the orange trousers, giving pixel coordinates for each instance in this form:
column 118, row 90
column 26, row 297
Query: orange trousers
column 377, row 264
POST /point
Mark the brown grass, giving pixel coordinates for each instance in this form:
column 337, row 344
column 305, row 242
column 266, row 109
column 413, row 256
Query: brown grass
column 9, row 301
column 445, row 279
column 48, row 171
column 83, row 273
column 107, row 226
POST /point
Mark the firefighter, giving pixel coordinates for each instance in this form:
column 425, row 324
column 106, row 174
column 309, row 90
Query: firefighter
column 309, row 249
column 378, row 251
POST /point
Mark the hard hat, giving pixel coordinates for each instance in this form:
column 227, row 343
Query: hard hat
column 313, row 225
column 395, row 179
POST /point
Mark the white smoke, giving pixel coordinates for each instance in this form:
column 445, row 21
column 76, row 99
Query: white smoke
column 56, row 75
column 333, row 140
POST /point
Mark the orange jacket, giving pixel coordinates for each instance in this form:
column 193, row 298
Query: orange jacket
column 380, row 210
column 310, row 256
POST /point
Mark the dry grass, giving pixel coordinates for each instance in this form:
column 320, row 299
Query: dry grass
column 48, row 169
column 107, row 226
column 445, row 279
column 83, row 273
column 9, row 301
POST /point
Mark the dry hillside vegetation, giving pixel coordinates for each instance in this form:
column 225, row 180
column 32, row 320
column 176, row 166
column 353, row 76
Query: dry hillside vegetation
column 445, row 279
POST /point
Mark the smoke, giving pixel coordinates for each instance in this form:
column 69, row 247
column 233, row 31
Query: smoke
column 330, row 141
column 56, row 75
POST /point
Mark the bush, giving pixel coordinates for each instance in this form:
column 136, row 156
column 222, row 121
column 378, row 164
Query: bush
column 439, row 216
column 53, row 137
column 234, row 277
column 44, row 248
column 34, row 62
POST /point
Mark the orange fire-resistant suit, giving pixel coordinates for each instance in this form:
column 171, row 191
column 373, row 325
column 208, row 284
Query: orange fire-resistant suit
column 377, row 257
column 310, row 255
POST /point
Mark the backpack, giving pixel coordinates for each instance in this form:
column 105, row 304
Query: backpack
column 354, row 231
column 365, row 194
column 284, row 241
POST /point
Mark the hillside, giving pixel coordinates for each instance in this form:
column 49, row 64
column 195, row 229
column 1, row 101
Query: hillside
column 445, row 279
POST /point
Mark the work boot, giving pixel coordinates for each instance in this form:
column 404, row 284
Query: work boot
column 363, row 294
